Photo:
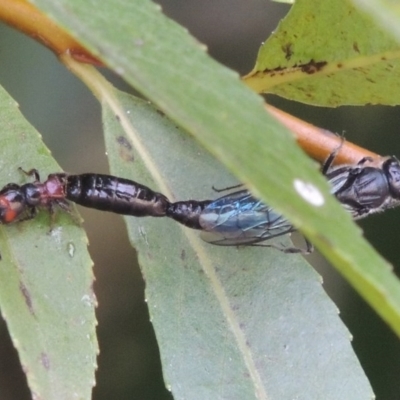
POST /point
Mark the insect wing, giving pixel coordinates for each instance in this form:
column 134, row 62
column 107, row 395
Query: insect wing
column 361, row 190
column 240, row 219
column 338, row 178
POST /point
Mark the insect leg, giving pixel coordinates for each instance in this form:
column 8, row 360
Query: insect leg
column 32, row 172
column 331, row 158
column 289, row 250
column 226, row 188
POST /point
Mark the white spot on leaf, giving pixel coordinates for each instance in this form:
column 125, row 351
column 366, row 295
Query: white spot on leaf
column 309, row 192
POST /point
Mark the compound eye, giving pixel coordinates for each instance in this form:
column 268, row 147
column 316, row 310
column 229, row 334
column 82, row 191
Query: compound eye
column 393, row 176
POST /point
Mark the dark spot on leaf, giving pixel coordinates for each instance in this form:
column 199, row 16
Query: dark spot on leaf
column 277, row 69
column 287, row 49
column 383, row 58
column 123, row 141
column 389, row 67
column 183, row 255
column 309, row 68
column 355, row 47
column 160, row 112
column 117, row 118
column 27, row 297
column 44, row 359
column 340, row 65
column 125, row 149
column 313, row 66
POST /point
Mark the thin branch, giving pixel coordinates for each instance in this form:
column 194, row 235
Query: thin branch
column 28, row 19
column 318, row 143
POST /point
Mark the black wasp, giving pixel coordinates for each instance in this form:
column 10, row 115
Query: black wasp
column 237, row 218
column 241, row 219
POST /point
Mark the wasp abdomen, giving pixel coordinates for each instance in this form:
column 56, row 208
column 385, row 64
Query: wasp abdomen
column 118, row 195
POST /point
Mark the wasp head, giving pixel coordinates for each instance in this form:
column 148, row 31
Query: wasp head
column 391, row 167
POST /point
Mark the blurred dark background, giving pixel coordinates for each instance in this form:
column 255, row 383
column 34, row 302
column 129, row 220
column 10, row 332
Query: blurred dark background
column 68, row 117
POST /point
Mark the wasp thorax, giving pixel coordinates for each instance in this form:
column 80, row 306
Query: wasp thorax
column 31, row 193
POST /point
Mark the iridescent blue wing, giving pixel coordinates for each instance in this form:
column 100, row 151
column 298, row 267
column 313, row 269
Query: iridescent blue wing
column 240, row 219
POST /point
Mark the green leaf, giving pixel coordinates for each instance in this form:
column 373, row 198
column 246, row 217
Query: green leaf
column 236, row 323
column 385, row 13
column 230, row 121
column 46, row 280
column 328, row 53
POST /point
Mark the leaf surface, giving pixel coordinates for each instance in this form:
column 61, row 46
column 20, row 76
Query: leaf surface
column 385, row 13
column 164, row 63
column 230, row 121
column 231, row 323
column 46, row 279
column 328, row 53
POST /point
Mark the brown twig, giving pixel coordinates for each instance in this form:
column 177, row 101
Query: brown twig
column 319, row 143
column 28, row 19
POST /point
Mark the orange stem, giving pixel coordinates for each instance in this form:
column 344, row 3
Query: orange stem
column 319, row 143
column 28, row 19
